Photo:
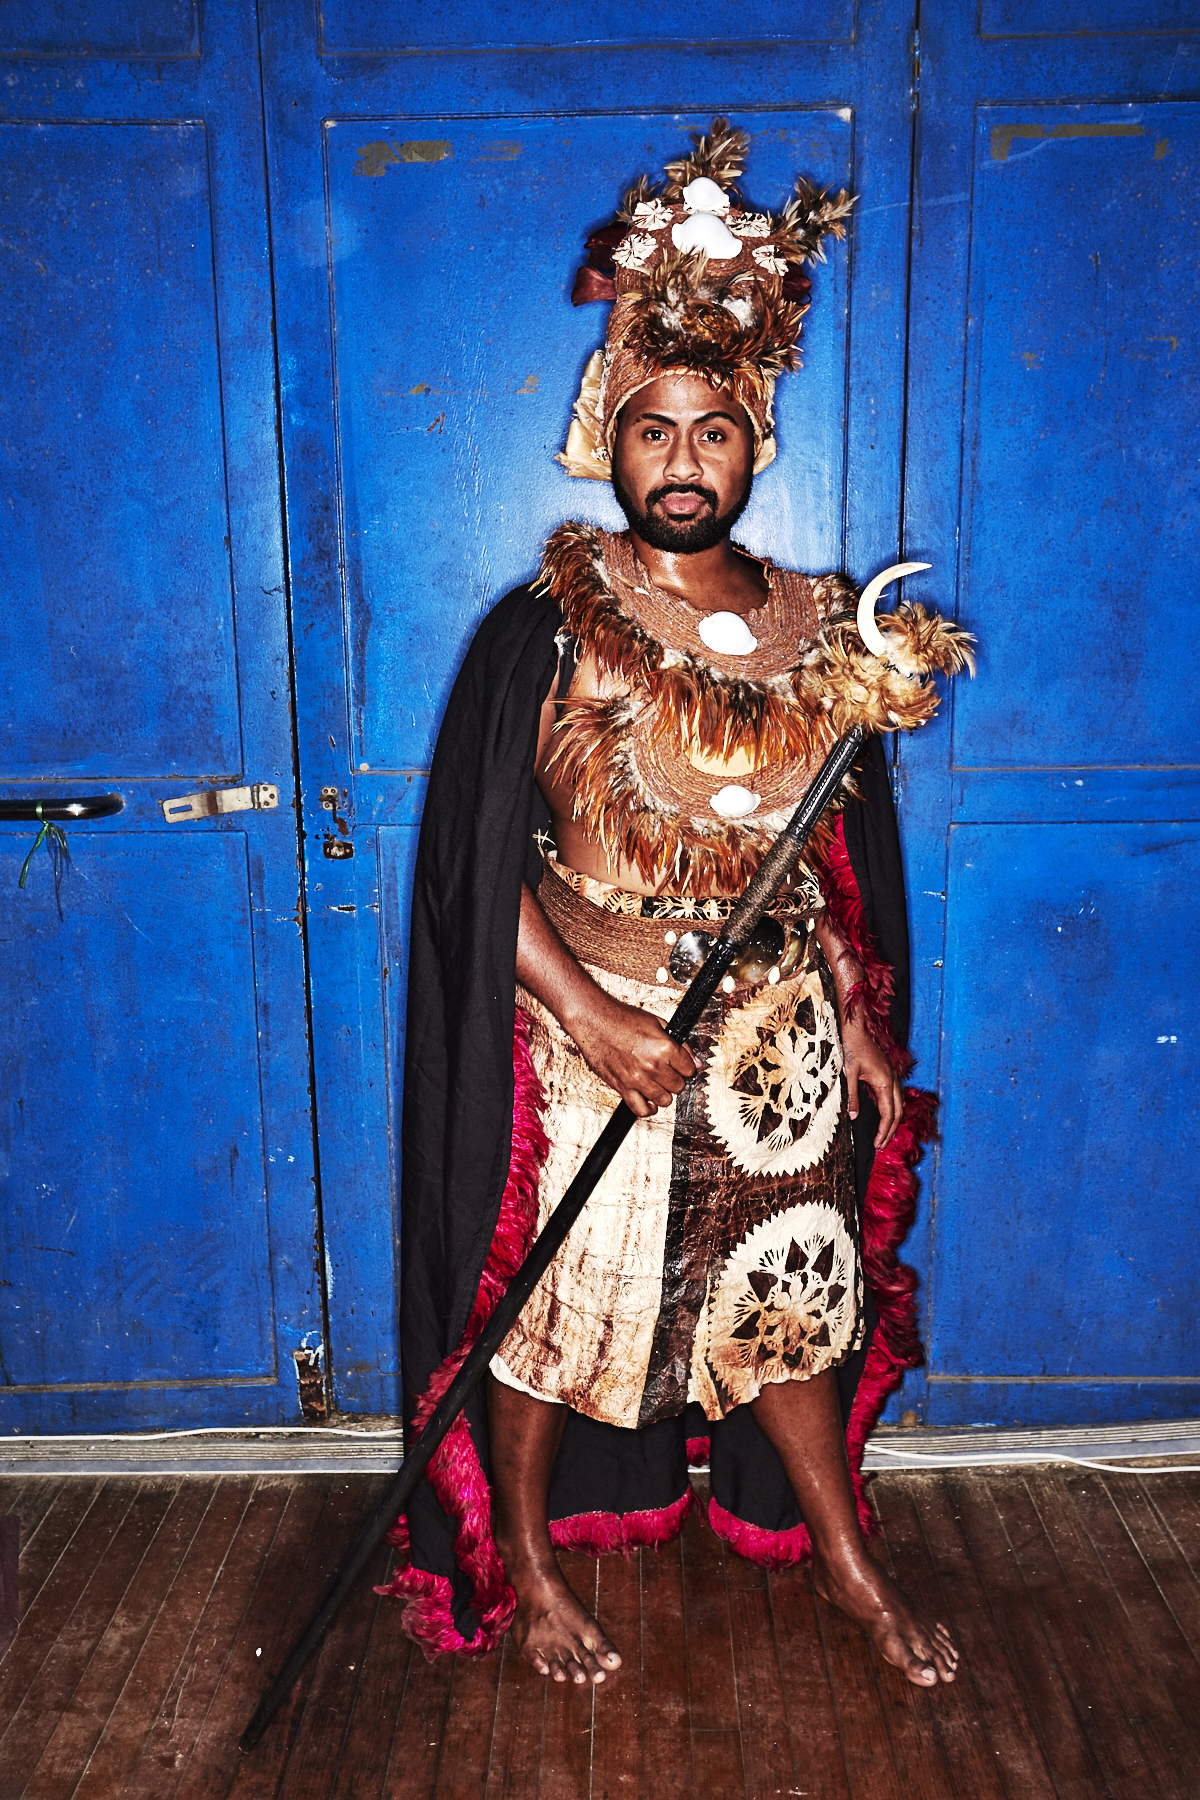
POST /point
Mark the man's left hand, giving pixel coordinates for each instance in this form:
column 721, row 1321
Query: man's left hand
column 866, row 1065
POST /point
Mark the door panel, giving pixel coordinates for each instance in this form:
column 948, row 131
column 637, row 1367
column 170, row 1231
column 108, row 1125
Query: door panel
column 1075, row 1084
column 157, row 1169
column 1059, row 18
column 1083, row 412
column 124, row 28
column 458, row 354
column 433, row 208
column 151, row 1097
column 1049, row 818
column 363, row 27
column 117, row 521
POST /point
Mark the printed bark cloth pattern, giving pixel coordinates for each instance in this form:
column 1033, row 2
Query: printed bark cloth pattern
column 719, row 1253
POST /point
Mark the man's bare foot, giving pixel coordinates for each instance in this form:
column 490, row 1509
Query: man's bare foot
column 868, row 1595
column 553, row 1632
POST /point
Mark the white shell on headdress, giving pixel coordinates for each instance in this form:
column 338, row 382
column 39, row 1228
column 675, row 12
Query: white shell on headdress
column 734, row 801
column 727, row 633
column 704, row 196
column 704, row 231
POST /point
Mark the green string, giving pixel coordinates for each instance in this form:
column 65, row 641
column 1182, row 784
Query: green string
column 55, row 840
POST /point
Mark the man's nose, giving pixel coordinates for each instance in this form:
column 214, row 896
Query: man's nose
column 682, row 463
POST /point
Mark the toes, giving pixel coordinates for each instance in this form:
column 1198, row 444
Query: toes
column 594, row 1671
column 604, row 1652
column 576, row 1670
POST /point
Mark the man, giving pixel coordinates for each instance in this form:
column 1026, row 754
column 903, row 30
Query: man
column 668, row 697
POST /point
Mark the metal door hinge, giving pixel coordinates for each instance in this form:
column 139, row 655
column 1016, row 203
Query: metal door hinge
column 914, row 91
column 262, row 797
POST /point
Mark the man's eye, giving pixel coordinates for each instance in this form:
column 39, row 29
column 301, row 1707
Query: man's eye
column 714, row 436
column 654, row 435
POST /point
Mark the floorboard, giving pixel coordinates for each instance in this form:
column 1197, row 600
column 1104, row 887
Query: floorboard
column 1070, row 1634
column 766, row 1742
column 280, row 1519
column 987, row 1699
column 812, row 1717
column 377, row 1704
column 420, row 1730
column 154, row 1611
column 712, row 1678
column 99, row 1590
column 88, row 1708
column 566, row 1767
column 917, row 1717
column 1143, row 1661
column 665, row 1697
column 317, row 1752
column 115, row 1757
column 516, row 1750
column 617, row 1753
column 346, row 1506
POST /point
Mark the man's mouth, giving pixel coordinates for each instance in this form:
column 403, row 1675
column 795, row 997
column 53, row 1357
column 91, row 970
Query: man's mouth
column 682, row 503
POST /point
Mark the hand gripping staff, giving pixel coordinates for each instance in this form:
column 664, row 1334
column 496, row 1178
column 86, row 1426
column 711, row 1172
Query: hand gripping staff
column 778, row 862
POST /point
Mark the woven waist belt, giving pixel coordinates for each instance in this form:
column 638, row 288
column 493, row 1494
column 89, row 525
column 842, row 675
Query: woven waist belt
column 669, row 951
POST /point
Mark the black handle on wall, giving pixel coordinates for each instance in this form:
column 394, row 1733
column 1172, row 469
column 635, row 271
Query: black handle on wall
column 95, row 806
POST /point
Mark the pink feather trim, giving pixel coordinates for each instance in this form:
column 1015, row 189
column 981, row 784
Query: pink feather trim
column 839, row 888
column 618, row 1534
column 889, row 1207
column 698, row 1451
column 771, row 1549
column 455, row 1472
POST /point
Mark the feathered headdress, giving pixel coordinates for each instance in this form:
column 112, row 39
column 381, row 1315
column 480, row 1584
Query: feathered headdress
column 702, row 286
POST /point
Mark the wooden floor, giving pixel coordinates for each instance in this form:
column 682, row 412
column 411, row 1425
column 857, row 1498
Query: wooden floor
column 152, row 1611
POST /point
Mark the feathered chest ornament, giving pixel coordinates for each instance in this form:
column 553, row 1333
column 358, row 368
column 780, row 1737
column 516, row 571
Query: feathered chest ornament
column 710, row 726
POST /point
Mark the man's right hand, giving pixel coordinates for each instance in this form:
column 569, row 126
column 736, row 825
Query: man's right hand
column 625, row 1047
column 630, row 1051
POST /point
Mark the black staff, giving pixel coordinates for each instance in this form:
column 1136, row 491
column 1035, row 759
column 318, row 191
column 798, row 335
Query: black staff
column 778, row 862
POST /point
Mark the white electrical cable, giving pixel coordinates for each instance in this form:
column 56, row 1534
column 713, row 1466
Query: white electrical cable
column 158, row 1437
column 1022, row 1459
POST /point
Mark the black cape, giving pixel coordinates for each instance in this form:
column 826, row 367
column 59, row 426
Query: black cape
column 476, row 847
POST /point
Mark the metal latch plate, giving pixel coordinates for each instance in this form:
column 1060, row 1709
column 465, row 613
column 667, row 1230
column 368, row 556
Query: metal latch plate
column 263, row 796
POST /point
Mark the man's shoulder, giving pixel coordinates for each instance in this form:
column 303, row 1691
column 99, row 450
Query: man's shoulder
column 513, row 644
column 530, row 603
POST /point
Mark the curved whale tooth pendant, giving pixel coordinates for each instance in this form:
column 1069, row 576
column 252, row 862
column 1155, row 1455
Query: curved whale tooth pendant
column 868, row 630
column 727, row 633
column 734, row 801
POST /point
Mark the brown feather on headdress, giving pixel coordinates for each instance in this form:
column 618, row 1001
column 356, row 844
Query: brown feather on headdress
column 720, row 155
column 701, row 284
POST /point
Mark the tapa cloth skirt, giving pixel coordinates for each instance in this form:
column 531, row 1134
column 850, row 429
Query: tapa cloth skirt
column 720, row 1251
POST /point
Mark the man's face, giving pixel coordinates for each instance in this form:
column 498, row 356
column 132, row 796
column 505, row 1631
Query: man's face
column 682, row 463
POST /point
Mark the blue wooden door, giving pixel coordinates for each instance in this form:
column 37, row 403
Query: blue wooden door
column 157, row 1252
column 1006, row 390
column 1050, row 816
column 433, row 174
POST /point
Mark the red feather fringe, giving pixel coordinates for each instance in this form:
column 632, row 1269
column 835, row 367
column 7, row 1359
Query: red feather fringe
column 613, row 1534
column 455, row 1473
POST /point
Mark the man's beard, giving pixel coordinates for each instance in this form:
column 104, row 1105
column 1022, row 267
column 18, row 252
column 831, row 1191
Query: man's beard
column 683, row 537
